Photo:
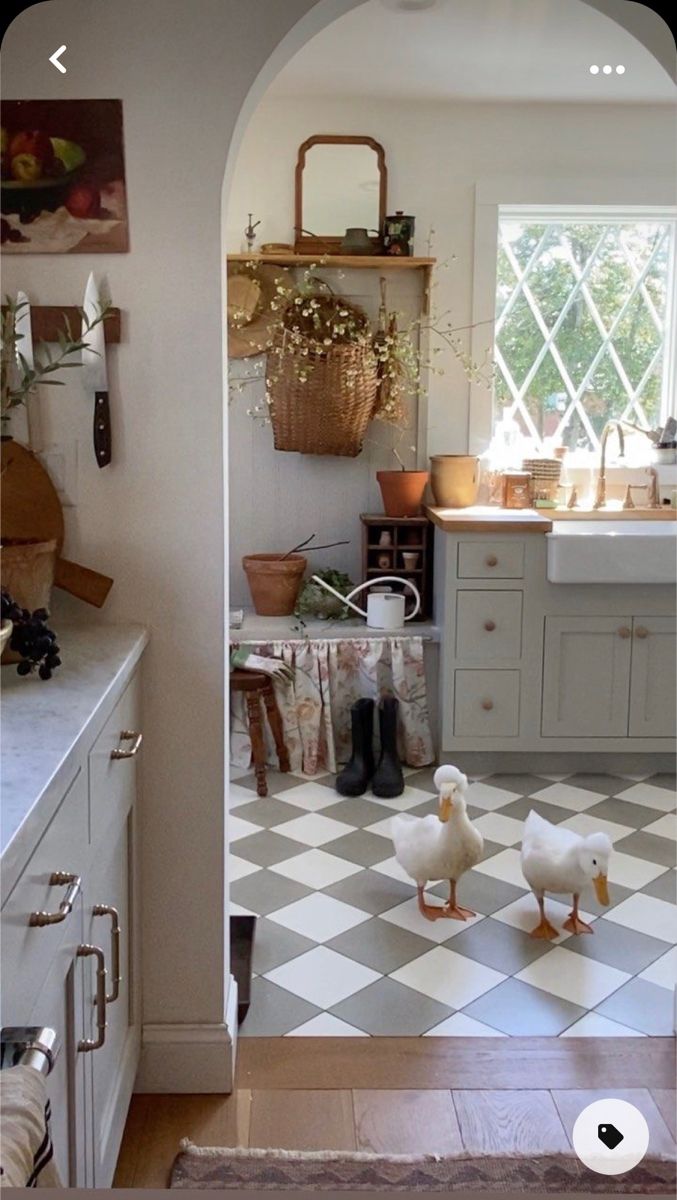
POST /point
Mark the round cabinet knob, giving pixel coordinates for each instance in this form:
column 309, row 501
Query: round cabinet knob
column 624, row 632
column 487, row 705
column 641, row 632
column 491, row 560
column 490, row 626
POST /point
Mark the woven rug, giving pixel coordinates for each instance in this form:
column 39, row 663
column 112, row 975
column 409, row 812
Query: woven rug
column 282, row 1170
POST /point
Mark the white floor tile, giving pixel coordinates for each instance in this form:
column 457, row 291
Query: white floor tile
column 506, row 831
column 573, row 977
column 523, row 914
column 411, row 798
column 448, row 977
column 459, row 1025
column 635, row 873
column 319, row 917
column 239, row 868
column 505, row 866
column 313, row 829
column 239, row 828
column 664, row 827
column 646, row 914
column 321, row 774
column 316, row 868
column 239, row 795
column 238, row 910
column 649, row 796
column 407, row 916
column 322, row 976
column 382, row 828
column 563, row 795
column 311, row 796
column 392, row 868
column 663, row 971
column 585, row 824
column 483, row 795
column 325, row 1025
column 595, row 1025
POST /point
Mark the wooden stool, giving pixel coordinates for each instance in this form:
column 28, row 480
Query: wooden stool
column 257, row 686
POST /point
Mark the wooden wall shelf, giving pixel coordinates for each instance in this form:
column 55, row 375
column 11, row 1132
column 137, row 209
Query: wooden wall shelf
column 48, row 320
column 352, row 262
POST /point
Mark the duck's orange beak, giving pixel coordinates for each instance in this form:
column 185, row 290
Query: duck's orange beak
column 446, row 805
column 601, row 889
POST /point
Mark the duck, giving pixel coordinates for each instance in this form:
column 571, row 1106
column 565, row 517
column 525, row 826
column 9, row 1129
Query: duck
column 561, row 861
column 443, row 845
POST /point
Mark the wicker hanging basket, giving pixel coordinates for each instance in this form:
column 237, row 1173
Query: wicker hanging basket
column 321, row 401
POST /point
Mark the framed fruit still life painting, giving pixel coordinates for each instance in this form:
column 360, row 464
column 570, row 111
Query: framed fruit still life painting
column 62, row 184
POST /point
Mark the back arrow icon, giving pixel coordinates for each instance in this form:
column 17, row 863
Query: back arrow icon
column 54, row 58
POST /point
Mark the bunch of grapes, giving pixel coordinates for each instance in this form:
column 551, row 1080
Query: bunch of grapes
column 31, row 638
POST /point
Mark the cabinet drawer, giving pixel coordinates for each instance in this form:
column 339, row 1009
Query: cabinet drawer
column 486, row 703
column 491, row 560
column 488, row 625
column 112, row 781
column 28, row 951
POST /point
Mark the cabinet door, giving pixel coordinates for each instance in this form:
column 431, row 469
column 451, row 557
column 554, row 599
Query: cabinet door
column 652, row 681
column 113, row 1065
column 586, row 676
column 61, row 1007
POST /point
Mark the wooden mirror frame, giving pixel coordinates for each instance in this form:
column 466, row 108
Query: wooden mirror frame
column 331, row 244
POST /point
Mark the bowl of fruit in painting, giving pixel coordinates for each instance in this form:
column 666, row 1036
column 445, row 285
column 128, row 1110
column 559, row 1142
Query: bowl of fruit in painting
column 37, row 170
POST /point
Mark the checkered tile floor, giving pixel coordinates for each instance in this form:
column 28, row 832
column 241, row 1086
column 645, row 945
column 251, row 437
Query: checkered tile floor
column 342, row 949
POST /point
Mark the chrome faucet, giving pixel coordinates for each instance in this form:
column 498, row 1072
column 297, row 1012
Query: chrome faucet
column 600, row 495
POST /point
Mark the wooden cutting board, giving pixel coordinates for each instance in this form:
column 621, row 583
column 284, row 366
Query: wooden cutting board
column 31, row 509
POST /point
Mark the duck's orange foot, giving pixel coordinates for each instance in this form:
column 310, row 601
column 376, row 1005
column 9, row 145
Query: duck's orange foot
column 573, row 924
column 458, row 913
column 431, row 912
column 545, row 930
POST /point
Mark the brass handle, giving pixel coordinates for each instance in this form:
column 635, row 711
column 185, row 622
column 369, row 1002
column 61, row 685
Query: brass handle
column 87, row 1044
column 624, row 632
column 490, row 626
column 641, row 631
column 491, row 560
column 107, row 910
column 59, row 879
column 487, row 705
column 128, row 735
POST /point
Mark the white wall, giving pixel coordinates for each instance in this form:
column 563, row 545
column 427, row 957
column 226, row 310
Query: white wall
column 154, row 519
column 436, row 156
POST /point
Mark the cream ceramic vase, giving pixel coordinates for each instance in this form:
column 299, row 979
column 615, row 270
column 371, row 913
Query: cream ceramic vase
column 454, row 479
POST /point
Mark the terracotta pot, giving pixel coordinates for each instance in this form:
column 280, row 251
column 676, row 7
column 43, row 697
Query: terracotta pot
column 274, row 582
column 402, row 492
column 454, row 479
column 28, row 576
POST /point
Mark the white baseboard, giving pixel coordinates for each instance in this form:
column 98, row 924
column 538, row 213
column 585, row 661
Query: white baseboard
column 190, row 1058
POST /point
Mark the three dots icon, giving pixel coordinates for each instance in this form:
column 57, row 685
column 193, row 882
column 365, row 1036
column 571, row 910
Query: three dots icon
column 607, row 70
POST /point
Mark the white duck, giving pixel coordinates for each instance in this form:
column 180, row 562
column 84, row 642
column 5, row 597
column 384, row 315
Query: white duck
column 558, row 860
column 441, row 846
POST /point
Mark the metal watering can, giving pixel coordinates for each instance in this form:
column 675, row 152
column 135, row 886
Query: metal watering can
column 385, row 610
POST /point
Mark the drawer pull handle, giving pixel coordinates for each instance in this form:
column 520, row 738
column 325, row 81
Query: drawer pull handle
column 87, row 1044
column 490, row 626
column 487, row 705
column 107, row 910
column 641, row 631
column 491, row 560
column 128, row 735
column 624, row 632
column 59, row 879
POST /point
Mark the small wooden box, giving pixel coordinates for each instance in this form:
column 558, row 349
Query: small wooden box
column 408, row 535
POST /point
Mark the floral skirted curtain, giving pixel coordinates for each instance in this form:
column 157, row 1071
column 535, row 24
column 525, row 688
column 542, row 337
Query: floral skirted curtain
column 329, row 676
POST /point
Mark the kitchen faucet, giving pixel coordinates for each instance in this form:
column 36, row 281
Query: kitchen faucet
column 600, row 495
column 652, row 488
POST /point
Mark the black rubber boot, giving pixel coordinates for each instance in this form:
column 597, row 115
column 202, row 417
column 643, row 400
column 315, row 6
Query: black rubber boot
column 388, row 780
column 354, row 779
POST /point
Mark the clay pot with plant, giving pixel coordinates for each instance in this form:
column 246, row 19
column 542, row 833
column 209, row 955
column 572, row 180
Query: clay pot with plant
column 275, row 579
column 402, row 490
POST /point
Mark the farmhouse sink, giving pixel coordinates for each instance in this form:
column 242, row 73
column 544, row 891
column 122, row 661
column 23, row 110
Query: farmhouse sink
column 612, row 552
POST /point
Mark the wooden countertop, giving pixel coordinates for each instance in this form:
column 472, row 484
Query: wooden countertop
column 486, row 519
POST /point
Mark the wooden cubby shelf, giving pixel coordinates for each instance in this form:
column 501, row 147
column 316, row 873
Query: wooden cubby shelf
column 408, row 535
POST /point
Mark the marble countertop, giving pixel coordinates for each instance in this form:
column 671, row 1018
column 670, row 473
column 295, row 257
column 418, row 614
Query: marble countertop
column 46, row 723
column 284, row 629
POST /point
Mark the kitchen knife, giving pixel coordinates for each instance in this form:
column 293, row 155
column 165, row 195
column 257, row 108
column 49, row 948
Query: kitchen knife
column 96, row 378
column 24, row 348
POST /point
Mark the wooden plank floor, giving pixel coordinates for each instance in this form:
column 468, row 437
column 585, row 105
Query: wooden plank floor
column 285, row 1110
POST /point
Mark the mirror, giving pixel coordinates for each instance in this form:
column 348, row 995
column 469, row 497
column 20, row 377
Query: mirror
column 340, row 184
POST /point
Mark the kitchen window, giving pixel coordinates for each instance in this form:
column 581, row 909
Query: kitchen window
column 584, row 329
